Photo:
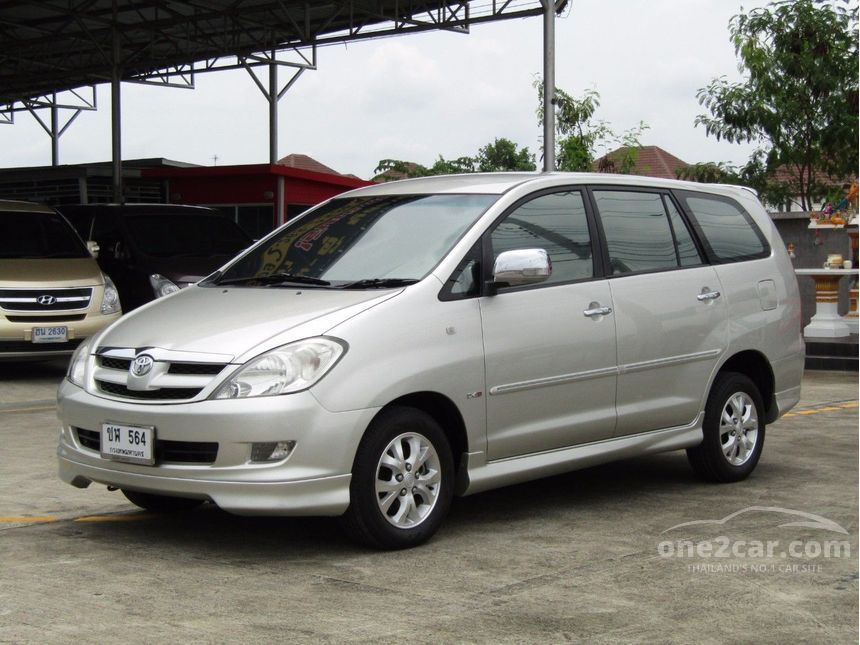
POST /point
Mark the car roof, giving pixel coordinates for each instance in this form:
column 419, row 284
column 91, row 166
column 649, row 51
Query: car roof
column 502, row 182
column 28, row 207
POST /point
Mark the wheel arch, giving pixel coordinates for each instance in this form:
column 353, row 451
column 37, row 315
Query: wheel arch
column 444, row 411
column 755, row 366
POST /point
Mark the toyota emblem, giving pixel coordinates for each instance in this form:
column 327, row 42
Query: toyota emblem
column 141, row 365
column 46, row 300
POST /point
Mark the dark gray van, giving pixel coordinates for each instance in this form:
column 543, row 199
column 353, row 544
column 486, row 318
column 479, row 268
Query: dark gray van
column 152, row 250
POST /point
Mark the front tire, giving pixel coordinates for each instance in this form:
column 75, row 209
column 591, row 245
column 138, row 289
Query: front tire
column 402, row 481
column 733, row 429
column 161, row 503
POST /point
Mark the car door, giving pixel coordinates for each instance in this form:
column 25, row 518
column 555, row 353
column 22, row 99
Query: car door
column 669, row 314
column 549, row 347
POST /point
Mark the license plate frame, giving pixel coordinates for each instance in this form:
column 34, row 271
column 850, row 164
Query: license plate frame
column 131, row 444
column 53, row 334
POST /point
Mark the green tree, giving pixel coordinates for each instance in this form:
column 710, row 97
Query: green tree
column 799, row 99
column 502, row 154
column 581, row 137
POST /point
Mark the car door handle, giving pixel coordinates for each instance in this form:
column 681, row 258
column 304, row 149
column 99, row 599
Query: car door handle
column 597, row 311
column 707, row 294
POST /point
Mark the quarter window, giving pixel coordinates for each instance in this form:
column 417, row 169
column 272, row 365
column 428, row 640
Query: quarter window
column 556, row 223
column 727, row 229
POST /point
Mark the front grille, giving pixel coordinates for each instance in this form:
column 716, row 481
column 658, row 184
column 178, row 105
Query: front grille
column 23, row 346
column 202, row 369
column 165, row 393
column 114, row 363
column 180, row 452
column 59, row 299
column 46, row 319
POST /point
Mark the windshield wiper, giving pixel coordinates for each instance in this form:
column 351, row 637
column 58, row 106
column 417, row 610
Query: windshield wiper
column 379, row 283
column 277, row 278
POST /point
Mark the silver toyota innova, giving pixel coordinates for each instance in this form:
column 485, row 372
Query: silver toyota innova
column 406, row 342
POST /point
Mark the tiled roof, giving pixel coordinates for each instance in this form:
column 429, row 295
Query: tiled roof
column 303, row 162
column 651, row 161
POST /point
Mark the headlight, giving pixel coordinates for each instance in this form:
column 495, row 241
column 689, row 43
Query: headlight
column 78, row 364
column 162, row 286
column 287, row 369
column 110, row 298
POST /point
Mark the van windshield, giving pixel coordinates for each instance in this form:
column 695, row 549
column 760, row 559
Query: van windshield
column 361, row 242
column 178, row 235
column 28, row 235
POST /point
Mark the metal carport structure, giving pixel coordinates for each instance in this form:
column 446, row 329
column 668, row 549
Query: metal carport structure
column 54, row 52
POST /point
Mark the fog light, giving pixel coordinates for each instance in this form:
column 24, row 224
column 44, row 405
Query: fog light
column 271, row 451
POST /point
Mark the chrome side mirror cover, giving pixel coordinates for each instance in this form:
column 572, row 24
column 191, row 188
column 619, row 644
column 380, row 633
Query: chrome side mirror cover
column 521, row 267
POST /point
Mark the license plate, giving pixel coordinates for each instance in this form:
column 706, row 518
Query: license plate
column 132, row 444
column 50, row 334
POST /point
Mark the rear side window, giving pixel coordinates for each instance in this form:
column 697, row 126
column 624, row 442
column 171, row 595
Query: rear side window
column 555, row 223
column 727, row 230
column 637, row 231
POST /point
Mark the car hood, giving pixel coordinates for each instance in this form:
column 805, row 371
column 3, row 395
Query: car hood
column 187, row 269
column 50, row 273
column 237, row 323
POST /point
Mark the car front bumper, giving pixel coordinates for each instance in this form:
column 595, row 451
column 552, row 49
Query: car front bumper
column 312, row 480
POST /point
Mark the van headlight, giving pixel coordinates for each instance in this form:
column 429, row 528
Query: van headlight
column 110, row 298
column 161, row 286
column 78, row 365
column 287, row 369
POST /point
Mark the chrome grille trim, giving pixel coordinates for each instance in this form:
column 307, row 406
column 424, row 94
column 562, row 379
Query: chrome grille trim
column 173, row 374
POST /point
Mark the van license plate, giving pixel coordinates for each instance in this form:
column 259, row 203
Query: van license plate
column 132, row 444
column 50, row 334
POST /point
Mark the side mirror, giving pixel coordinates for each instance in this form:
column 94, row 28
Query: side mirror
column 521, row 267
column 119, row 252
column 93, row 248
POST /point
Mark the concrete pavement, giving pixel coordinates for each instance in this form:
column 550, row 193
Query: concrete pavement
column 587, row 556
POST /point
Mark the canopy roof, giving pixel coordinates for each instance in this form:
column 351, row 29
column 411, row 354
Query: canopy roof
column 53, row 45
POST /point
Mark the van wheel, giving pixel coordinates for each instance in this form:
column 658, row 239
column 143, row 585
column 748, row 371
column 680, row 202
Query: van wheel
column 733, row 430
column 402, row 481
column 161, row 503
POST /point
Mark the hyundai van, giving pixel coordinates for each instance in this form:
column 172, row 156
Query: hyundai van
column 52, row 293
column 404, row 343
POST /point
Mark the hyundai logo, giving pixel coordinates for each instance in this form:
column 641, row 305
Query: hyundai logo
column 46, row 300
column 141, row 365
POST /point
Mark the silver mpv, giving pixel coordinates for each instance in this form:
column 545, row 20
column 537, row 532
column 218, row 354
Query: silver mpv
column 407, row 342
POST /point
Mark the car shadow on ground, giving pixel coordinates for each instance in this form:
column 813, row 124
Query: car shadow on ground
column 209, row 532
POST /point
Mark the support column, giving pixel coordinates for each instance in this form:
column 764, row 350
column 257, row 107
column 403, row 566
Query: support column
column 115, row 118
column 280, row 206
column 548, row 85
column 273, row 113
column 55, row 132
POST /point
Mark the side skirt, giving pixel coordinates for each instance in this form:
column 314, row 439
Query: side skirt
column 477, row 474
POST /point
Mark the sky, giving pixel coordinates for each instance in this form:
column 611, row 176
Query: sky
column 419, row 96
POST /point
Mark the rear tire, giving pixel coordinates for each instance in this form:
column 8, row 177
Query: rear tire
column 402, row 481
column 161, row 503
column 733, row 429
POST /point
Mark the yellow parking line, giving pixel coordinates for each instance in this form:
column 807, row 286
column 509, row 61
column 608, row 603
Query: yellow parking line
column 44, row 408
column 29, row 519
column 113, row 518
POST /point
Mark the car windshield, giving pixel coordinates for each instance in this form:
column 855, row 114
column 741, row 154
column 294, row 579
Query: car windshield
column 28, row 235
column 177, row 234
column 361, row 242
